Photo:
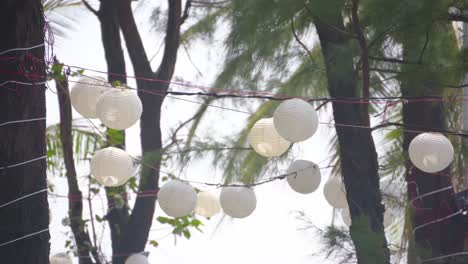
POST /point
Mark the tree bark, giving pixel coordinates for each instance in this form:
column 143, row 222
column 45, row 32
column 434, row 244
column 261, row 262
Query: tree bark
column 447, row 236
column 141, row 219
column 358, row 155
column 22, row 25
column 115, row 60
column 85, row 248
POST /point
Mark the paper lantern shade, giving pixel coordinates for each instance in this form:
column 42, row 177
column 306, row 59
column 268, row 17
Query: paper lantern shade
column 306, row 178
column 295, row 120
column 346, row 216
column 85, row 95
column 238, row 202
column 207, row 204
column 177, row 198
column 119, row 108
column 60, row 258
column 335, row 193
column 431, row 152
column 137, row 259
column 264, row 139
column 111, row 166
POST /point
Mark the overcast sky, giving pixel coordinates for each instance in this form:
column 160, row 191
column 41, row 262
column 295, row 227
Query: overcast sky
column 270, row 235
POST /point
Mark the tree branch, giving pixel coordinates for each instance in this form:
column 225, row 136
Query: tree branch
column 75, row 203
column 298, row 40
column 184, row 17
column 364, row 49
column 90, row 8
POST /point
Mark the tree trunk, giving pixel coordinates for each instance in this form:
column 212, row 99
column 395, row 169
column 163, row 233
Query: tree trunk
column 446, row 236
column 22, row 25
column 85, row 248
column 115, row 60
column 141, row 219
column 358, row 156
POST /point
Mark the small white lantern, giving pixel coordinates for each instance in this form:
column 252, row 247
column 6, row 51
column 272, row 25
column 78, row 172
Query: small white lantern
column 335, row 193
column 306, row 178
column 60, row 258
column 177, row 198
column 207, row 204
column 346, row 216
column 85, row 94
column 111, row 166
column 119, row 108
column 264, row 139
column 295, row 120
column 431, row 152
column 137, row 259
column 238, row 202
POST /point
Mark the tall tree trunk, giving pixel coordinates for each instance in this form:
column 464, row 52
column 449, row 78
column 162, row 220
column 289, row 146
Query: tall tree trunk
column 85, row 248
column 447, row 236
column 150, row 128
column 358, row 155
column 115, row 60
column 22, row 25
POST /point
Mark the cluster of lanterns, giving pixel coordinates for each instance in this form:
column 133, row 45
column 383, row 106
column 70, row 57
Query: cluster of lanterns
column 117, row 107
column 294, row 120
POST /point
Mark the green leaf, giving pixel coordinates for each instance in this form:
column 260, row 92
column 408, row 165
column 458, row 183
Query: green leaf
column 154, row 243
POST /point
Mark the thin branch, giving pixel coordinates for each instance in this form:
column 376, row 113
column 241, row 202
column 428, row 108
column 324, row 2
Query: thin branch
column 298, row 40
column 184, row 17
column 364, row 49
column 426, row 43
column 90, row 8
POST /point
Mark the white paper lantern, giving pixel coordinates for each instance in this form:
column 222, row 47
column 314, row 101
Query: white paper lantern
column 346, row 216
column 335, row 193
column 307, row 177
column 431, row 152
column 177, row 198
column 295, row 120
column 85, row 94
column 137, row 259
column 238, row 202
column 264, row 139
column 207, row 204
column 119, row 108
column 60, row 258
column 111, row 166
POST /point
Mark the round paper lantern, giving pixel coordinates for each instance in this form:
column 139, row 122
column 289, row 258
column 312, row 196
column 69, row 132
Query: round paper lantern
column 295, row 120
column 137, row 259
column 238, row 202
column 177, row 198
column 60, row 258
column 346, row 216
column 335, row 193
column 119, row 108
column 111, row 166
column 431, row 152
column 264, row 139
column 207, row 204
column 306, row 178
column 85, row 94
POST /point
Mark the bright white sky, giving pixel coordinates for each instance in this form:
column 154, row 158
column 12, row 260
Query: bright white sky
column 270, row 235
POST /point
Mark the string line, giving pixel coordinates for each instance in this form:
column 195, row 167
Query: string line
column 22, row 163
column 25, row 236
column 23, row 197
column 23, row 49
column 22, row 121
